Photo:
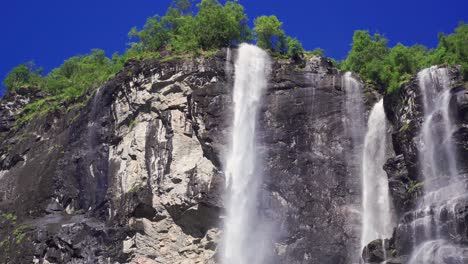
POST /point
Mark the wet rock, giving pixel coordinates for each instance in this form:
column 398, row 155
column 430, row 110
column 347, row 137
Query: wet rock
column 377, row 251
column 399, row 182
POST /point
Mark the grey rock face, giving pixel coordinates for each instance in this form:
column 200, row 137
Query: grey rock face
column 123, row 179
column 313, row 194
column 377, row 251
column 135, row 176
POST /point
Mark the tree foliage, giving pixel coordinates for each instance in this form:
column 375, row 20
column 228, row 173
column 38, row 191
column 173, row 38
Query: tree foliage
column 186, row 29
column 295, row 49
column 269, row 33
column 452, row 49
column 26, row 74
column 367, row 53
column 220, row 26
column 79, row 73
column 391, row 67
column 153, row 36
column 214, row 26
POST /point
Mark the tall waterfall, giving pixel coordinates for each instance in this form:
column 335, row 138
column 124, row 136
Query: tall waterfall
column 243, row 243
column 438, row 163
column 355, row 129
column 377, row 217
column 442, row 186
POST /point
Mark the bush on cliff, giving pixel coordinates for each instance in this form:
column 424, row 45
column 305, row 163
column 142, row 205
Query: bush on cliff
column 26, row 74
column 79, row 73
column 452, row 49
column 179, row 32
column 214, row 26
column 391, row 67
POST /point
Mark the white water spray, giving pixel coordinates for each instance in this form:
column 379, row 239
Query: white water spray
column 377, row 217
column 443, row 189
column 355, row 129
column 437, row 154
column 242, row 243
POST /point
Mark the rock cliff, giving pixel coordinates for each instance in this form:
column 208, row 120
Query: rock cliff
column 133, row 172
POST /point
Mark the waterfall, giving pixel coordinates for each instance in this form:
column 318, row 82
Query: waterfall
column 377, row 221
column 242, row 239
column 442, row 186
column 354, row 128
column 354, row 106
column 437, row 154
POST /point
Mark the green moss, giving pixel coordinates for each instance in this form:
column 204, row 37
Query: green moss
column 415, row 187
column 8, row 216
column 209, row 53
column 132, row 124
column 20, row 233
column 77, row 105
column 404, row 127
column 135, row 188
column 4, row 244
column 14, row 237
column 37, row 109
column 176, row 57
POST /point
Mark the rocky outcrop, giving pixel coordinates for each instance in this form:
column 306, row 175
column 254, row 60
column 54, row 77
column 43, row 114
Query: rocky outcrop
column 133, row 174
column 123, row 178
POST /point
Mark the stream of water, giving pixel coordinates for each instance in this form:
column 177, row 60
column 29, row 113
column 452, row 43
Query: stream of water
column 242, row 243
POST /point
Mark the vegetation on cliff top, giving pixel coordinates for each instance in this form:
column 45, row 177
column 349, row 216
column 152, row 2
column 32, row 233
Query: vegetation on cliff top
column 185, row 30
column 191, row 30
column 387, row 67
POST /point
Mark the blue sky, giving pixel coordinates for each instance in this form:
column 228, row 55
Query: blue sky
column 49, row 31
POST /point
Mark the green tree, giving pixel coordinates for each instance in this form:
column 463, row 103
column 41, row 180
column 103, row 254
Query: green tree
column 183, row 6
column 452, row 49
column 220, row 26
column 214, row 26
column 153, row 36
column 400, row 63
column 174, row 18
column 367, row 55
column 185, row 39
column 77, row 74
column 25, row 74
column 295, row 49
column 239, row 30
column 269, row 33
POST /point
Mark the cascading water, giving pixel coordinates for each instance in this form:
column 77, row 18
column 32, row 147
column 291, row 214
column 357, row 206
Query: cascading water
column 354, row 106
column 442, row 186
column 377, row 217
column 355, row 128
column 438, row 163
column 243, row 243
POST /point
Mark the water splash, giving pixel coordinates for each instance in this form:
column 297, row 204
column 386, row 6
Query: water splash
column 243, row 239
column 377, row 216
column 438, row 252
